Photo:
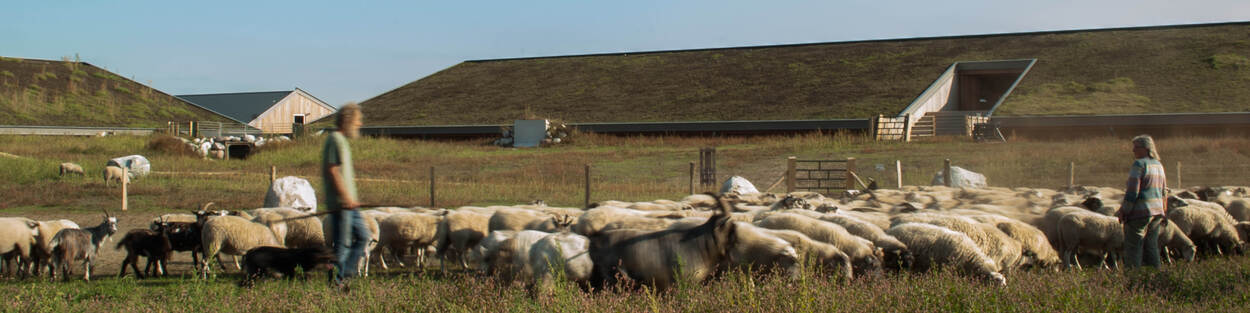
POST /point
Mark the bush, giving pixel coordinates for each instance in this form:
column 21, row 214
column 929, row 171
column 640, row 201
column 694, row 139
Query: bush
column 170, row 145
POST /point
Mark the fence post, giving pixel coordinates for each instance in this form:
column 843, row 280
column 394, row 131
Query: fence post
column 691, row 180
column 850, row 173
column 431, row 187
column 1071, row 174
column 946, row 174
column 898, row 170
column 1178, row 175
column 907, row 127
column 190, row 129
column 791, row 162
column 273, row 173
column 872, row 128
column 587, row 202
column 125, row 181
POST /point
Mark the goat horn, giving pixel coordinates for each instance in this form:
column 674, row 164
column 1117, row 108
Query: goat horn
column 206, row 205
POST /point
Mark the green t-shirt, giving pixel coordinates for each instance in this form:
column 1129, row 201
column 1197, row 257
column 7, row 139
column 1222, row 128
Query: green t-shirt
column 337, row 152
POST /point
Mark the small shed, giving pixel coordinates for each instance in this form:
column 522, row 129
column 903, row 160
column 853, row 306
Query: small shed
column 273, row 112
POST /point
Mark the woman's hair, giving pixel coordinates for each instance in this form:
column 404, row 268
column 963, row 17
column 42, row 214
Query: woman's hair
column 346, row 113
column 1145, row 141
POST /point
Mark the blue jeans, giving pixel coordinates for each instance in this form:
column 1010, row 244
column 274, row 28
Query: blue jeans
column 348, row 236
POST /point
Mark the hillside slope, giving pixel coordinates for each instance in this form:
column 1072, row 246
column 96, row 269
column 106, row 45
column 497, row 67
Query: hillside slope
column 68, row 93
column 1189, row 68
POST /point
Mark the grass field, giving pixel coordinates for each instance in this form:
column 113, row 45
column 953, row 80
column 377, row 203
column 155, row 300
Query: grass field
column 623, row 168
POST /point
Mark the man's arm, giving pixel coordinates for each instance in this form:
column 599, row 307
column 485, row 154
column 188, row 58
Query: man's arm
column 336, row 179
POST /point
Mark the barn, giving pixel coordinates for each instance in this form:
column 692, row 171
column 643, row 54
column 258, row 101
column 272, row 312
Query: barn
column 272, row 112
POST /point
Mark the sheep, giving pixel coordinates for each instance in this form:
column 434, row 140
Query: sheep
column 71, row 168
column 1049, row 223
column 993, row 242
column 41, row 253
column 300, row 230
column 825, row 256
column 596, row 219
column 512, row 259
column 661, row 258
column 1174, row 241
column 1095, row 204
column 153, row 244
column 520, row 219
column 1239, row 209
column 755, row 249
column 17, row 237
column 1091, row 232
column 562, row 251
column 1212, row 231
column 935, row 246
column 113, row 173
column 233, row 235
column 700, row 201
column 81, row 244
column 1033, row 241
column 864, row 255
column 175, row 217
column 400, row 232
column 370, row 218
column 895, row 251
column 459, row 231
column 486, row 250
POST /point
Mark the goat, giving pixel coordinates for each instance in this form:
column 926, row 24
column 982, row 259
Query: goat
column 153, row 244
column 81, row 244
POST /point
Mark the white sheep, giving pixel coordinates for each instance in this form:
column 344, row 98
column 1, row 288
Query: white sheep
column 71, row 168
column 233, row 235
column 1239, row 209
column 512, row 259
column 42, row 252
column 895, row 251
column 113, row 173
column 458, row 232
column 935, row 246
column 1033, row 241
column 1089, row 232
column 864, row 255
column 297, row 229
column 993, row 242
column 756, row 250
column 520, row 219
column 400, row 232
column 596, row 219
column 486, row 250
column 1212, row 231
column 1174, row 241
column 17, row 237
column 825, row 256
column 562, row 251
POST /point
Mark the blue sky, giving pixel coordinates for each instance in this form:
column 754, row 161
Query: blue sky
column 341, row 51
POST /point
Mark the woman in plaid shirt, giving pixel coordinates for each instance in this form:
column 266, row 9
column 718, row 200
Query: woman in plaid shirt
column 1144, row 207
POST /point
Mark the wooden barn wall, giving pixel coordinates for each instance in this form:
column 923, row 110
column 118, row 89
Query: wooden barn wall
column 278, row 118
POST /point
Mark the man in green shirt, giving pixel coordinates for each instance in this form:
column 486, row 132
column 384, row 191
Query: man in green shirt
column 348, row 233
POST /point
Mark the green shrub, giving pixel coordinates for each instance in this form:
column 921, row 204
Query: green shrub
column 1228, row 60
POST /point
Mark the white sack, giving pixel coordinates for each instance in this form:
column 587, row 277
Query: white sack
column 961, row 178
column 291, row 192
column 739, row 185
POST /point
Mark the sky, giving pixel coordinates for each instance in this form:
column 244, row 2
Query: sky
column 343, row 51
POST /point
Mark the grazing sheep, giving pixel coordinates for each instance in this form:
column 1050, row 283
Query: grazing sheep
column 895, row 251
column 700, row 201
column 301, row 231
column 153, row 244
column 1212, row 230
column 661, row 258
column 512, row 259
column 1174, row 241
column 1033, row 242
column 400, row 232
column 993, row 242
column 1091, row 233
column 259, row 261
column 562, row 251
column 758, row 251
column 113, row 173
column 1095, row 204
column 1239, row 209
column 233, row 235
column 71, row 168
column 596, row 219
column 825, row 256
column 81, row 244
column 1049, row 223
column 457, row 233
column 486, row 250
column 936, row 246
column 17, row 237
column 41, row 254
column 864, row 255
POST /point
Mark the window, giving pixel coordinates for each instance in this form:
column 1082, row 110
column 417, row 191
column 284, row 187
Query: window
column 299, row 119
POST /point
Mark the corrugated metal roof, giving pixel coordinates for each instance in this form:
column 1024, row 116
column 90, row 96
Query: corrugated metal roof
column 242, row 107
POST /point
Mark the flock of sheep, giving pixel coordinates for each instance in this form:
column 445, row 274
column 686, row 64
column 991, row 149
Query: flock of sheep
column 982, row 233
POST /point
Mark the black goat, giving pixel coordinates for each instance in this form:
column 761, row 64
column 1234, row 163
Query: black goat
column 153, row 244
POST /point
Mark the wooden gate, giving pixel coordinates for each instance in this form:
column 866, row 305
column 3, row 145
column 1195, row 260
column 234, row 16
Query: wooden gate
column 823, row 176
column 707, row 167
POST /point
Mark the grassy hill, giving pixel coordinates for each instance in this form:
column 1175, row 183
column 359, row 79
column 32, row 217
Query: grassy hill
column 70, row 93
column 1191, row 68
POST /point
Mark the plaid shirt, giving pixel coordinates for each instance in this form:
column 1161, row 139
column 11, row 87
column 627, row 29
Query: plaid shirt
column 1144, row 192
